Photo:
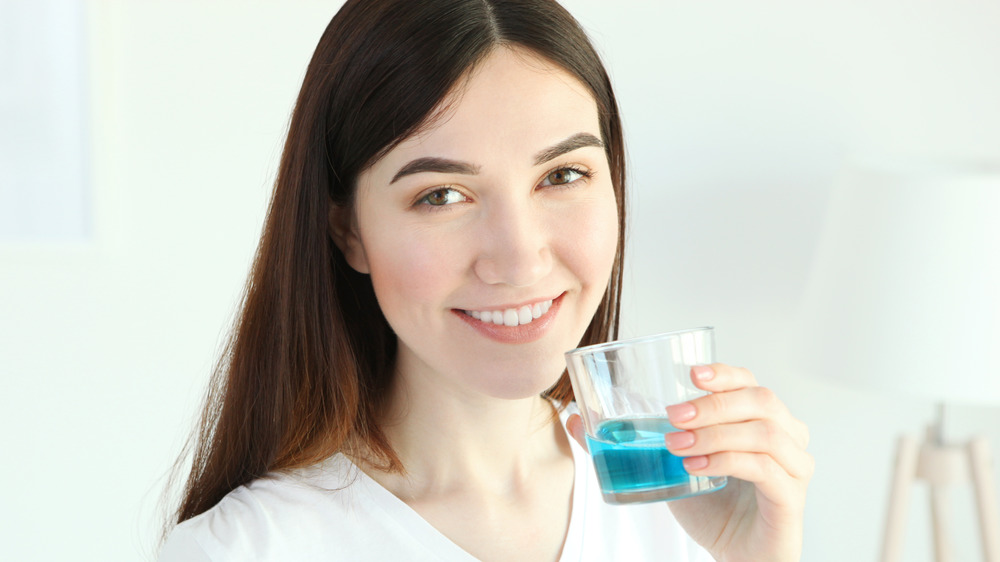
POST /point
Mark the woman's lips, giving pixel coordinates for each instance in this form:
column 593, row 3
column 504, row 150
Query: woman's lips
column 523, row 324
column 512, row 316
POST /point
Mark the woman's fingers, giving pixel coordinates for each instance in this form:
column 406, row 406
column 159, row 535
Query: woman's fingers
column 726, row 407
column 760, row 469
column 734, row 406
column 754, row 437
column 740, row 430
column 719, row 377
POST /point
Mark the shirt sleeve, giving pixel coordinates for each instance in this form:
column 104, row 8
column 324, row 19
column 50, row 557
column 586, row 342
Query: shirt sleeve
column 182, row 546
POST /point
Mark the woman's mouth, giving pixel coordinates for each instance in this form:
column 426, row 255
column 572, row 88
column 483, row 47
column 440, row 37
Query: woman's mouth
column 522, row 324
column 512, row 316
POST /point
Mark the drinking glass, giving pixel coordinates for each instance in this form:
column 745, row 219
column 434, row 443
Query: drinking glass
column 623, row 389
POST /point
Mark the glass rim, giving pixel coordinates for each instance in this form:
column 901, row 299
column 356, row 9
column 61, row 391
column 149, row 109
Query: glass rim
column 598, row 347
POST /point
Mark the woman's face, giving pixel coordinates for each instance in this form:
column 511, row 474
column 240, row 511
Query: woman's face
column 490, row 235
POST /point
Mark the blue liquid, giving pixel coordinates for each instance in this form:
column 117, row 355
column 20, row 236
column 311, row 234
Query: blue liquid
column 631, row 456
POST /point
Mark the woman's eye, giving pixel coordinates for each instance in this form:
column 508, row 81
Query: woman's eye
column 563, row 176
column 442, row 197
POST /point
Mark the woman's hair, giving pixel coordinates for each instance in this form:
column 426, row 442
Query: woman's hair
column 309, row 361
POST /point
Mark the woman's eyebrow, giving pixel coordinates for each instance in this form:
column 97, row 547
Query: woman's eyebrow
column 446, row 166
column 432, row 164
column 572, row 143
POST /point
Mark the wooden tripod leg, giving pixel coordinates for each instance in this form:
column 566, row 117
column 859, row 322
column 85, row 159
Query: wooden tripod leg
column 939, row 520
column 903, row 476
column 986, row 494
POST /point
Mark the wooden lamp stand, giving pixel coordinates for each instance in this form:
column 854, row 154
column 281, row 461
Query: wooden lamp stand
column 941, row 465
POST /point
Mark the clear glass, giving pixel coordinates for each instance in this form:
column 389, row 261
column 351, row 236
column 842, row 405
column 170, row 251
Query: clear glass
column 623, row 389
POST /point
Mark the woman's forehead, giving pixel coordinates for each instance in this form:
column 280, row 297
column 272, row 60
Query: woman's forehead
column 513, row 102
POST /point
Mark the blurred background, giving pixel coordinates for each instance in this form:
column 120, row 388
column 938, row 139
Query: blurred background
column 161, row 123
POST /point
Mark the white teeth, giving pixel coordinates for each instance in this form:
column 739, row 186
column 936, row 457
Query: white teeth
column 512, row 316
column 524, row 315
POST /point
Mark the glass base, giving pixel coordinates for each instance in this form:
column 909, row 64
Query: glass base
column 696, row 486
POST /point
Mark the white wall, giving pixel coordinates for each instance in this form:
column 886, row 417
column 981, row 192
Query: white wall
column 737, row 117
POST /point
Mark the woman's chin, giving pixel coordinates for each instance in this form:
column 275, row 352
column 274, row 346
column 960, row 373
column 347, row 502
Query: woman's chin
column 521, row 387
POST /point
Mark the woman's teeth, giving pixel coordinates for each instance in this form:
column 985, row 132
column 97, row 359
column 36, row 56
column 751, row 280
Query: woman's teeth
column 511, row 316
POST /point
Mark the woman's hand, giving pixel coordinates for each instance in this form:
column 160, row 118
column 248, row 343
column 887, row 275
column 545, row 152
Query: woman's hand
column 744, row 432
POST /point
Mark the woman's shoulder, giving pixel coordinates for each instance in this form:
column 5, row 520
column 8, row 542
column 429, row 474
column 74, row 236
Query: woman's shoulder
column 263, row 519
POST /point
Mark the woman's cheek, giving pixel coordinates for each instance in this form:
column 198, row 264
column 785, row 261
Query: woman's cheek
column 410, row 267
column 591, row 240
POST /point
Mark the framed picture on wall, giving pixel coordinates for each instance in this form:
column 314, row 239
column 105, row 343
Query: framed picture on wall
column 44, row 186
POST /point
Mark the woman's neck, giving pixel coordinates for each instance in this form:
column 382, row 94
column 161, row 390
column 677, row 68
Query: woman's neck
column 493, row 475
column 452, row 441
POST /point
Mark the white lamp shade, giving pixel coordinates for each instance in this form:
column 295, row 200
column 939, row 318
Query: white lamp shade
column 904, row 294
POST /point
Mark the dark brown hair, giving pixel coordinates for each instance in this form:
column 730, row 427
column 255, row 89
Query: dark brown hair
column 309, row 359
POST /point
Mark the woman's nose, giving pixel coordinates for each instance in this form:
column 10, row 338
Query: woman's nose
column 514, row 247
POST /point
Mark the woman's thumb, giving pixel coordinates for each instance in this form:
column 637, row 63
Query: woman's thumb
column 574, row 424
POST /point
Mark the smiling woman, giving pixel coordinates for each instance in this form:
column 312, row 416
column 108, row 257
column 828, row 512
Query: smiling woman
column 463, row 216
column 448, row 219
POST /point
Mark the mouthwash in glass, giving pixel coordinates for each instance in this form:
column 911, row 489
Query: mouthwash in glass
column 633, row 463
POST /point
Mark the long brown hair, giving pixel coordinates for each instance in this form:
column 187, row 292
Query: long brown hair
column 309, row 360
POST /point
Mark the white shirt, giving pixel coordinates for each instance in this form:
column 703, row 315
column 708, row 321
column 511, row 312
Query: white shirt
column 334, row 511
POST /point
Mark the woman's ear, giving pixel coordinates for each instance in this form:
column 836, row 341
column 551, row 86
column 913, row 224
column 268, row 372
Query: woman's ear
column 344, row 231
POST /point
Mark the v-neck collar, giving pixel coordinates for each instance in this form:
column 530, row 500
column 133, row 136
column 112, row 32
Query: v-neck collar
column 408, row 521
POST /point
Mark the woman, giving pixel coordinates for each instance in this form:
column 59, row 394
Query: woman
column 448, row 219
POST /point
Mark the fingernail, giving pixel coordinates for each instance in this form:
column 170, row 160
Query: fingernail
column 695, row 463
column 679, row 440
column 681, row 412
column 703, row 372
